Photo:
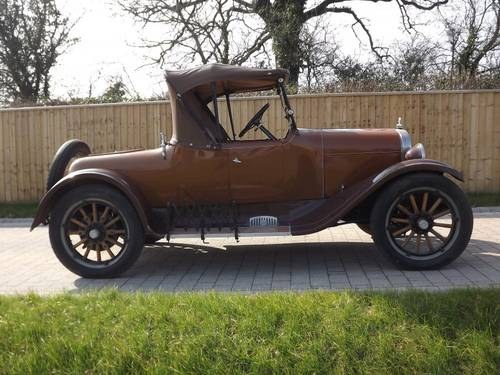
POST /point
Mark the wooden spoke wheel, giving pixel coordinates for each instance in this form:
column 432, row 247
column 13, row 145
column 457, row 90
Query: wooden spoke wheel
column 422, row 221
column 95, row 231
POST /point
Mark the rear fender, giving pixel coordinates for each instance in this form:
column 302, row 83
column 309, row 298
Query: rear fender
column 339, row 205
column 89, row 176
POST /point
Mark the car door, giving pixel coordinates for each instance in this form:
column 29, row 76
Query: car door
column 256, row 171
column 199, row 175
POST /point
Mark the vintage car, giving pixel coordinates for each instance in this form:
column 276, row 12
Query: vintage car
column 102, row 208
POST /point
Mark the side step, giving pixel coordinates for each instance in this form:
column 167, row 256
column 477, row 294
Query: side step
column 229, row 232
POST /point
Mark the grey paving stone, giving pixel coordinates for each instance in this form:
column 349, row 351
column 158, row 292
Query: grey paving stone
column 27, row 263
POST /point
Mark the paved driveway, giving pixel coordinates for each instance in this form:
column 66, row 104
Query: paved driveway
column 339, row 258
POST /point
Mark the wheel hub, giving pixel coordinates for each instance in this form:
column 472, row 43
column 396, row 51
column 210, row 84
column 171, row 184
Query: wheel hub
column 423, row 224
column 96, row 232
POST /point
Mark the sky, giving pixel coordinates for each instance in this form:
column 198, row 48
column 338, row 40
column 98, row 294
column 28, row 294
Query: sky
column 109, row 39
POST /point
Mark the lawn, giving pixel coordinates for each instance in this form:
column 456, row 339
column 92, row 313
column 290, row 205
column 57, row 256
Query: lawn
column 111, row 332
column 18, row 209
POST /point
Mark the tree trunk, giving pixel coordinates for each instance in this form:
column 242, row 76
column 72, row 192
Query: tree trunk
column 284, row 19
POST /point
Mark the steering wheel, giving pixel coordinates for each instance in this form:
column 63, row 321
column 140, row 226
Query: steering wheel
column 255, row 120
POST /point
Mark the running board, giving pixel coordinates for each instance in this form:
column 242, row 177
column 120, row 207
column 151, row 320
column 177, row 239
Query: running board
column 229, row 232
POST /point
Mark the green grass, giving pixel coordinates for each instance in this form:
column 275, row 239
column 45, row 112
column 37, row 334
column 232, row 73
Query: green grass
column 484, row 199
column 18, row 209
column 111, row 332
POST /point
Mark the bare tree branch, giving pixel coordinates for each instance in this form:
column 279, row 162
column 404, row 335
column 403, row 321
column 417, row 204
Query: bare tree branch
column 200, row 30
column 360, row 22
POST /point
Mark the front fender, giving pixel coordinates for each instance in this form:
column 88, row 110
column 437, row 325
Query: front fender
column 415, row 165
column 85, row 176
column 339, row 205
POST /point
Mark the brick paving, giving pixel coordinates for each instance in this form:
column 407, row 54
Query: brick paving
column 335, row 259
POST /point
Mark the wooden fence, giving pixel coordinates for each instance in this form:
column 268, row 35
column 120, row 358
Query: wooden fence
column 458, row 127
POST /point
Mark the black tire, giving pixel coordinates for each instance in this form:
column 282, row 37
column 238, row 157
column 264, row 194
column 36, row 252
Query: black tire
column 439, row 250
column 61, row 223
column 68, row 150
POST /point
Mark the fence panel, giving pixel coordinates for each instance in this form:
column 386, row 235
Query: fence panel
column 459, row 127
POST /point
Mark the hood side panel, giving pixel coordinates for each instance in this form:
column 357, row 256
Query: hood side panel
column 350, row 156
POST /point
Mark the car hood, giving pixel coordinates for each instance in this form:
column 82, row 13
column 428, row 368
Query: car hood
column 376, row 141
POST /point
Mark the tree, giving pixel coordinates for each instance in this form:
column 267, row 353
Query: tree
column 201, row 31
column 318, row 54
column 415, row 64
column 473, row 34
column 284, row 21
column 33, row 34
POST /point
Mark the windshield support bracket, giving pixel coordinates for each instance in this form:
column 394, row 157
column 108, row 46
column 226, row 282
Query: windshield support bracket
column 288, row 110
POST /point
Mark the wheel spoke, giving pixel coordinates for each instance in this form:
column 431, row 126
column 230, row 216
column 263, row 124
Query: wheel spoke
column 84, row 214
column 404, row 209
column 98, row 251
column 424, row 201
column 412, row 233
column 87, row 252
column 400, row 220
column 435, row 205
column 438, row 235
column 419, row 237
column 401, row 231
column 94, row 213
column 108, row 250
column 79, row 232
column 443, row 225
column 116, row 231
column 441, row 214
column 79, row 243
column 79, row 223
column 111, row 222
column 414, row 203
column 113, row 241
column 429, row 242
column 102, row 219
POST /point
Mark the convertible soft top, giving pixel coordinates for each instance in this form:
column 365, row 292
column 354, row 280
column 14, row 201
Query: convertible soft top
column 191, row 90
column 228, row 79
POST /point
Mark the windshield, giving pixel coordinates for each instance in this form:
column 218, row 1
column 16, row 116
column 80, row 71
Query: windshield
column 233, row 113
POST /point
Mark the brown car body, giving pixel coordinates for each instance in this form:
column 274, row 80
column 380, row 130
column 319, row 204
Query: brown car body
column 309, row 180
column 204, row 182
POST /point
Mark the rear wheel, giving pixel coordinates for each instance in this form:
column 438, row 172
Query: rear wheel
column 95, row 232
column 422, row 221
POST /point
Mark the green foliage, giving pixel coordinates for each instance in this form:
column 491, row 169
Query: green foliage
column 111, row 332
column 33, row 34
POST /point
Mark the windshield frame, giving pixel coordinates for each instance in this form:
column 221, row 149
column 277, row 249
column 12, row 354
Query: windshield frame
column 285, row 104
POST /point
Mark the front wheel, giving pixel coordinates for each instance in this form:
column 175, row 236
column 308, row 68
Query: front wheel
column 422, row 221
column 95, row 231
